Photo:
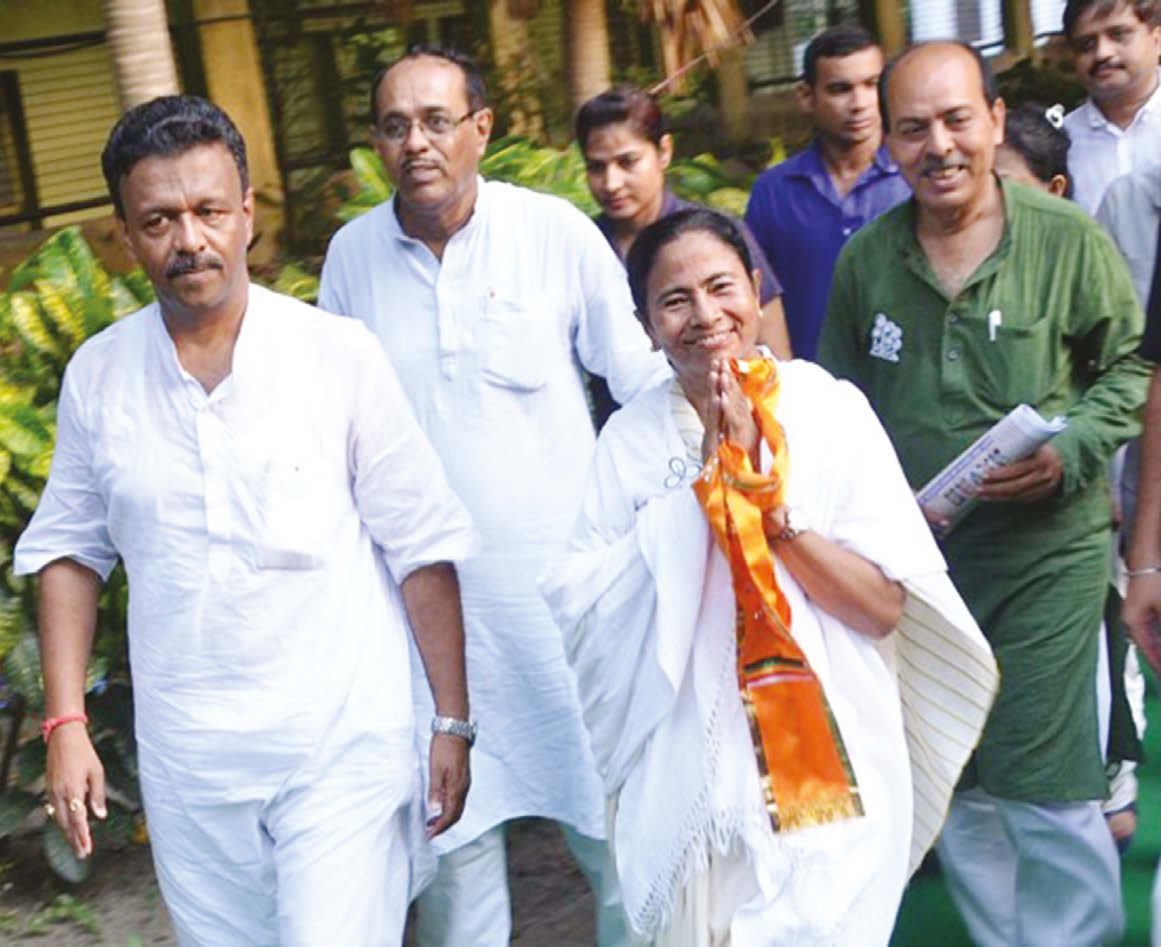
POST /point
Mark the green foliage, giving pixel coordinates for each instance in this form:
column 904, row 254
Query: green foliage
column 64, row 909
column 294, row 281
column 55, row 300
column 702, row 178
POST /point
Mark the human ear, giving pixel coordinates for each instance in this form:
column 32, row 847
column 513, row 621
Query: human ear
column 1058, row 185
column 999, row 113
column 665, row 150
column 804, row 96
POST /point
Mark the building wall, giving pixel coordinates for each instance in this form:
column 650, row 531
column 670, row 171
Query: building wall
column 67, row 96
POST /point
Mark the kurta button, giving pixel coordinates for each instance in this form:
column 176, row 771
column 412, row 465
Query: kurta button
column 952, row 354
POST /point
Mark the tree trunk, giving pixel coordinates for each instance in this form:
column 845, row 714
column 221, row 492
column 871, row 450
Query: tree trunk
column 512, row 53
column 587, row 41
column 1019, row 37
column 884, row 18
column 235, row 83
column 734, row 94
column 138, row 38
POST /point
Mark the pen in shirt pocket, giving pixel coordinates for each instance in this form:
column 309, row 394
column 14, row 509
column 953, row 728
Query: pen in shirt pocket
column 995, row 319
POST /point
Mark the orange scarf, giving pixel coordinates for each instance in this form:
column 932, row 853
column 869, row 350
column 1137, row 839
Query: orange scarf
column 805, row 774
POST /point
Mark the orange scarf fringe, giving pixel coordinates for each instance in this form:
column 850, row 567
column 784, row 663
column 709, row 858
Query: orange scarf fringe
column 804, row 769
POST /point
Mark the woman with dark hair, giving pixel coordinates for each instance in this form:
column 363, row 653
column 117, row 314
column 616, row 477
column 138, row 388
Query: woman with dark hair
column 780, row 682
column 627, row 151
column 1035, row 148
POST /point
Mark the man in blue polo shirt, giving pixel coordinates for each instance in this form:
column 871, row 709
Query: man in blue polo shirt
column 803, row 210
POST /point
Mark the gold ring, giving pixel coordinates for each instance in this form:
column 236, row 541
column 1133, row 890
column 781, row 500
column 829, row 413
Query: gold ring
column 76, row 805
column 49, row 809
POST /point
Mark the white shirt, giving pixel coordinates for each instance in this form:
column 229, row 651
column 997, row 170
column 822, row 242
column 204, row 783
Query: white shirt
column 264, row 528
column 488, row 345
column 1131, row 213
column 1101, row 151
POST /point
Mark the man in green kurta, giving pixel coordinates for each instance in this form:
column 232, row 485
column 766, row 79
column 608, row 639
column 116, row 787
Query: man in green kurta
column 969, row 299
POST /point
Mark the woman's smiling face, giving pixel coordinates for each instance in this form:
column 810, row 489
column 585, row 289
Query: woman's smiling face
column 703, row 305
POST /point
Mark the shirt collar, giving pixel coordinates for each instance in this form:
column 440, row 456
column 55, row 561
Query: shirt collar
column 917, row 260
column 395, row 228
column 244, row 346
column 809, row 164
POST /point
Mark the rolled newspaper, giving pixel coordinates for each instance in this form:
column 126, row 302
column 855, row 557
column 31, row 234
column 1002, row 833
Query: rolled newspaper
column 952, row 492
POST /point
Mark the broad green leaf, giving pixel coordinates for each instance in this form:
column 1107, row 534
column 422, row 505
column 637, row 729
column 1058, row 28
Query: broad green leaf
column 61, row 858
column 15, row 806
column 29, row 322
column 732, row 200
column 31, row 762
column 13, row 623
column 22, row 431
column 371, row 174
column 139, row 285
column 22, row 669
column 295, row 281
column 65, row 318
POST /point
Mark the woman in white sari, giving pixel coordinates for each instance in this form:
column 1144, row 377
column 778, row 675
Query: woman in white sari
column 780, row 682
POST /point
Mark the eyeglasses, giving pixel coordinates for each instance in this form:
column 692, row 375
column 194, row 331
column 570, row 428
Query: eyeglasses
column 395, row 128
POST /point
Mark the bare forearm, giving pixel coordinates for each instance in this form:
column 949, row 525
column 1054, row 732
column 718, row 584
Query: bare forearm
column 67, row 620
column 432, row 597
column 1146, row 550
column 772, row 331
column 843, row 583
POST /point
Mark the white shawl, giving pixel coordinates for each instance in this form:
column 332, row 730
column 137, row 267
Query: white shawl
column 657, row 678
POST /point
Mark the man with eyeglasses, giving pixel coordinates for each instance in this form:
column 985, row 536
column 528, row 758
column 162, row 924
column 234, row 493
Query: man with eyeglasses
column 489, row 298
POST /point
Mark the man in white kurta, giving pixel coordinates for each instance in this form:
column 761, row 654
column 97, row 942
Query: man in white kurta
column 1117, row 130
column 272, row 528
column 645, row 600
column 488, row 315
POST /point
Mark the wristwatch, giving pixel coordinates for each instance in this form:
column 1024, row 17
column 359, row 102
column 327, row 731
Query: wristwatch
column 796, row 525
column 465, row 729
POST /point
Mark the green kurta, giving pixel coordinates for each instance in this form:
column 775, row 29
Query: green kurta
column 1033, row 574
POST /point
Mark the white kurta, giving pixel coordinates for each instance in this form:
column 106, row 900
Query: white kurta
column 488, row 345
column 1101, row 151
column 646, row 604
column 265, row 528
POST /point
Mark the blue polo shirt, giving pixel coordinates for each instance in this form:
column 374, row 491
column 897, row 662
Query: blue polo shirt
column 801, row 224
column 671, row 204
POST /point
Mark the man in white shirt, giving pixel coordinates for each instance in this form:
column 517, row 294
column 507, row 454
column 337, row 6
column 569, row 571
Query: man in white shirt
column 488, row 298
column 255, row 466
column 1115, row 44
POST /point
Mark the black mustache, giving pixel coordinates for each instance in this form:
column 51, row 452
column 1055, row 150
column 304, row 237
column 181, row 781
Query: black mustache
column 187, row 263
column 930, row 165
column 1096, row 67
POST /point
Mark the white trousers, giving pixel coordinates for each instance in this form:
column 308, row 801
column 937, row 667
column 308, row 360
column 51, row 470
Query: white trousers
column 1023, row 874
column 468, row 901
column 321, row 858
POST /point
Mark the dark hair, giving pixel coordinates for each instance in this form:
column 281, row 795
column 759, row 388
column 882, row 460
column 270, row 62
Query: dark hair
column 841, row 40
column 987, row 78
column 477, row 91
column 167, row 125
column 1148, row 11
column 643, row 253
column 625, row 103
column 1041, row 144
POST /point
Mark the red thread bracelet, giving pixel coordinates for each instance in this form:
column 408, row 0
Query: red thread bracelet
column 51, row 723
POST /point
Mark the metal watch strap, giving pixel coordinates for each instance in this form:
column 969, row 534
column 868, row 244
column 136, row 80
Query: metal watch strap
column 794, row 527
column 465, row 729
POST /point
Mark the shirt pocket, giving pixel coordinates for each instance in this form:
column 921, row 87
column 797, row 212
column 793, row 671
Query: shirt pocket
column 516, row 345
column 1020, row 363
column 290, row 530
